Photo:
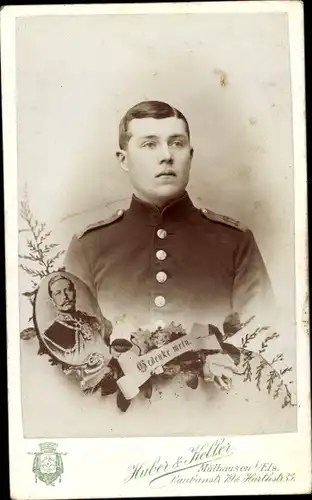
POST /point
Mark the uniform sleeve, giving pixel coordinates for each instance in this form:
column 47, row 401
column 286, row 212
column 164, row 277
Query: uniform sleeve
column 252, row 291
column 76, row 262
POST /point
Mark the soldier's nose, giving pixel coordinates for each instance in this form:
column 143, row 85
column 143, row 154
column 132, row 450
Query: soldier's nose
column 165, row 155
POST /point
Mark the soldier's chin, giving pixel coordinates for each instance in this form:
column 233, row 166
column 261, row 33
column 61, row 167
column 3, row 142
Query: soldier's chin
column 169, row 191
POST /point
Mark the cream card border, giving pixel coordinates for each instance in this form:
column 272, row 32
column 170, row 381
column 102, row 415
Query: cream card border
column 98, row 468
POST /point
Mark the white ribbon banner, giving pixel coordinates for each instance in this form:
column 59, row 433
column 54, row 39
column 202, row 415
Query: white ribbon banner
column 138, row 369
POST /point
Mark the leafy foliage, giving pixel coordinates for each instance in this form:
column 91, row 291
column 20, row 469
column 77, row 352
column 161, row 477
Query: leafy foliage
column 41, row 257
column 274, row 382
column 147, row 388
column 122, row 403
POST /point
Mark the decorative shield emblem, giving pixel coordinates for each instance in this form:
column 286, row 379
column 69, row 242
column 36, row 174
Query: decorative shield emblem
column 48, row 464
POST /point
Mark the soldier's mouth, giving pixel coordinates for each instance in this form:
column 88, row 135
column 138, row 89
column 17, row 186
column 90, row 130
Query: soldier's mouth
column 167, row 174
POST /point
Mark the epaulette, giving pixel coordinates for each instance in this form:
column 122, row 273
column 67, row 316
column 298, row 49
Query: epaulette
column 84, row 315
column 223, row 219
column 95, row 225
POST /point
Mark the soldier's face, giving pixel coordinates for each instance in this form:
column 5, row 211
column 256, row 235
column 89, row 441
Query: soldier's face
column 158, row 158
column 63, row 295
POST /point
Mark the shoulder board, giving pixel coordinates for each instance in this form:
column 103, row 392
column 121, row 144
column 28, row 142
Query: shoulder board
column 112, row 218
column 223, row 219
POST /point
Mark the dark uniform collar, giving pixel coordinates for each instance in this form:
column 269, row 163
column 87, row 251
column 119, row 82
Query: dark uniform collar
column 177, row 210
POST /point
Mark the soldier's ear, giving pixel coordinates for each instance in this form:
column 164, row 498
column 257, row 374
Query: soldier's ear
column 122, row 158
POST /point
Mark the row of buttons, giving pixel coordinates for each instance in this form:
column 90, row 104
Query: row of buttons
column 161, row 276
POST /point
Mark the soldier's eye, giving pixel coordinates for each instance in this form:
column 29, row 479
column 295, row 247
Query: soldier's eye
column 177, row 144
column 149, row 144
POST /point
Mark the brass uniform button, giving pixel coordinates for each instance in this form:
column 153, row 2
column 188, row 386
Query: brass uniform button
column 161, row 277
column 161, row 233
column 160, row 301
column 161, row 255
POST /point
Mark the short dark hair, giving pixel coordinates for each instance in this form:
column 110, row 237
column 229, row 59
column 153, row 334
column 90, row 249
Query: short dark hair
column 147, row 109
column 56, row 278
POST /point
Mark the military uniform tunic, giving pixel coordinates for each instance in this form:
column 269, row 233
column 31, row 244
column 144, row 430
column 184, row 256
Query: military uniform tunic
column 151, row 266
column 72, row 337
column 180, row 264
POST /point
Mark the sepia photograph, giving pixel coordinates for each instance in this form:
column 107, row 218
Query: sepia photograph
column 159, row 172
column 157, row 226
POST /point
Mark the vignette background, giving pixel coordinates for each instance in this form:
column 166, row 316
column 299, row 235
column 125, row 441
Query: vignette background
column 230, row 76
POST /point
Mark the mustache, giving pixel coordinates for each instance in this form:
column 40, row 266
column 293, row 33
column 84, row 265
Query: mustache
column 168, row 171
column 67, row 302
